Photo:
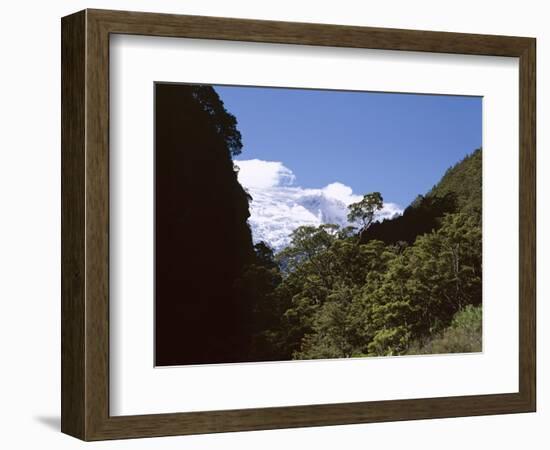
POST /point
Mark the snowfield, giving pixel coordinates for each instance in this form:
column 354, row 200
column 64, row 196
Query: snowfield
column 279, row 206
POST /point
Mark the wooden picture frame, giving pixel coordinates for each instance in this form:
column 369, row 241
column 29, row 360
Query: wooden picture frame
column 85, row 224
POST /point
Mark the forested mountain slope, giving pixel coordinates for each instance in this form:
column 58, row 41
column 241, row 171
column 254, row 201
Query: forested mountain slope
column 464, row 181
column 459, row 190
column 410, row 285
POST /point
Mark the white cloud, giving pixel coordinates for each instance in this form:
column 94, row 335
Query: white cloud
column 341, row 192
column 255, row 173
column 279, row 206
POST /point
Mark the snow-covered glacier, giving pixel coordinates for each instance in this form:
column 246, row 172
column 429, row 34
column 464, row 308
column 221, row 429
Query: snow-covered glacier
column 279, row 206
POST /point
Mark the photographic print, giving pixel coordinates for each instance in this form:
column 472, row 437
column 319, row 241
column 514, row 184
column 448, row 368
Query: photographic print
column 301, row 224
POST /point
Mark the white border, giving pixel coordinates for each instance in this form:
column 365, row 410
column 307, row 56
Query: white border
column 136, row 387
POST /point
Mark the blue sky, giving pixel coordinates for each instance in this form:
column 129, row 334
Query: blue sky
column 397, row 144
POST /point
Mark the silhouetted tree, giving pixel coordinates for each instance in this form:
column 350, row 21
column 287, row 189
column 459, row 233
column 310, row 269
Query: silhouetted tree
column 365, row 209
column 202, row 240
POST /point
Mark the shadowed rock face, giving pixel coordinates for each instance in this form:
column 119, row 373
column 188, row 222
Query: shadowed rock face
column 202, row 240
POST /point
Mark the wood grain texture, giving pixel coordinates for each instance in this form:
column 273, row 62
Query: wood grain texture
column 73, row 109
column 85, row 224
column 527, row 224
column 97, row 226
column 151, row 24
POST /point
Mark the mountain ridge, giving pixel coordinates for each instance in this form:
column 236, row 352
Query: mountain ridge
column 458, row 190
